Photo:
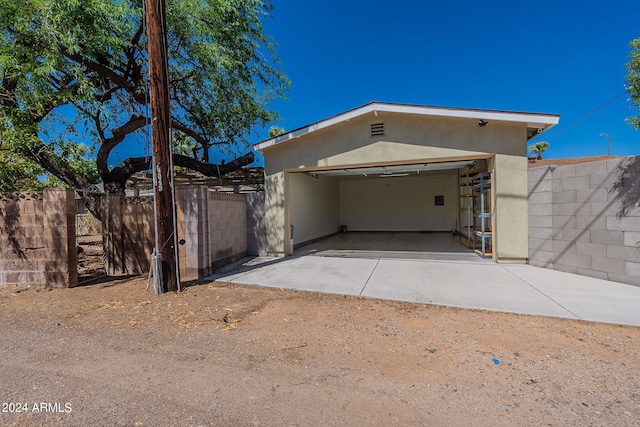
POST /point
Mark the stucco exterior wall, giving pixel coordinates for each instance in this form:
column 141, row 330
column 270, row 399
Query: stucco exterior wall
column 314, row 207
column 399, row 204
column 408, row 138
column 276, row 214
column 510, row 220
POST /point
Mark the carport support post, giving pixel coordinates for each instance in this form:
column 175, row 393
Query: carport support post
column 287, row 241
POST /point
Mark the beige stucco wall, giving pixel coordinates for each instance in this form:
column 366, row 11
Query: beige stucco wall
column 510, row 220
column 399, row 204
column 314, row 209
column 276, row 214
column 408, row 138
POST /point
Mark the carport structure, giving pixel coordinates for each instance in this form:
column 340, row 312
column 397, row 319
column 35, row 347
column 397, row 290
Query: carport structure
column 403, row 168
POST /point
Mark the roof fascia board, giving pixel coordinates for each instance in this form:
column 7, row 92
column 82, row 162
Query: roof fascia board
column 315, row 126
column 532, row 119
column 504, row 116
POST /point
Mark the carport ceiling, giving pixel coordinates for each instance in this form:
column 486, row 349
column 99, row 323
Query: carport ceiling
column 396, row 170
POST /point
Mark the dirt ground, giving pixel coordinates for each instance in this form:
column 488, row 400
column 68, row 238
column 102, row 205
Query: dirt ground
column 224, row 355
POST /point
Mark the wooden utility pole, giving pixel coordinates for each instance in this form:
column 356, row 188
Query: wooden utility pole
column 166, row 237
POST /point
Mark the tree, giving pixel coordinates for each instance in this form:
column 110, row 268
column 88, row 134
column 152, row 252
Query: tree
column 275, row 131
column 18, row 173
column 73, row 73
column 633, row 79
column 538, row 148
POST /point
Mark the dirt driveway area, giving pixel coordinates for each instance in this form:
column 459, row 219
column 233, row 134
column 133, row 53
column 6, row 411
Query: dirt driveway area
column 226, row 355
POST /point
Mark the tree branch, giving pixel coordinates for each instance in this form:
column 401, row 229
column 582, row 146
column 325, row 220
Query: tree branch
column 117, row 136
column 175, row 124
column 132, row 67
column 109, row 74
column 58, row 167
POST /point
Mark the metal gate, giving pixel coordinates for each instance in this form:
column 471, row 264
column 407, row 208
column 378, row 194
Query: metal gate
column 90, row 245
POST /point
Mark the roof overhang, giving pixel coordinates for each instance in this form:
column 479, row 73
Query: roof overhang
column 536, row 122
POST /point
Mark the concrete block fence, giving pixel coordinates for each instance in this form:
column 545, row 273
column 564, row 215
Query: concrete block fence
column 585, row 219
column 37, row 239
column 215, row 228
column 38, row 234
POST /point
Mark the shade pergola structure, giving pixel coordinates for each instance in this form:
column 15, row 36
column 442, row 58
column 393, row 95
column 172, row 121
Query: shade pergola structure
column 243, row 180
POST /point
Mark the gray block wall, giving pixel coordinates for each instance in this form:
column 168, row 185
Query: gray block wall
column 585, row 219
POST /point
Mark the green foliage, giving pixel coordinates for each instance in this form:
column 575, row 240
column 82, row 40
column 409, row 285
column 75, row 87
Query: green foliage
column 182, row 144
column 538, row 148
column 276, row 131
column 18, row 173
column 78, row 157
column 40, row 40
column 18, row 170
column 223, row 66
column 633, row 79
column 73, row 74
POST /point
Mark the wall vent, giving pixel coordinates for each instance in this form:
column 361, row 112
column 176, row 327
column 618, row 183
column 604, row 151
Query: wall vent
column 377, row 129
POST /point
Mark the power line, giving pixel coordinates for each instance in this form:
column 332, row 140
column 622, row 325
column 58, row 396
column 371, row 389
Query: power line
column 587, row 115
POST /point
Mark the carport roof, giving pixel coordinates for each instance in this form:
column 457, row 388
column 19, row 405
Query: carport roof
column 536, row 122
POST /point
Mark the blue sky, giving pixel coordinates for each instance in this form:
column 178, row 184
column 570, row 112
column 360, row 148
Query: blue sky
column 560, row 57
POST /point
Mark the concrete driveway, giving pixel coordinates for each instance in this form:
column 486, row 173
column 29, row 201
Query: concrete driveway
column 458, row 279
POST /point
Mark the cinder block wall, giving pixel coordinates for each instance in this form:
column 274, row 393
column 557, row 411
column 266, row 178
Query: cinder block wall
column 213, row 226
column 37, row 239
column 227, row 228
column 38, row 247
column 585, row 219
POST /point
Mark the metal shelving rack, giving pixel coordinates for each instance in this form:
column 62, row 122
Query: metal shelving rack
column 482, row 213
column 465, row 230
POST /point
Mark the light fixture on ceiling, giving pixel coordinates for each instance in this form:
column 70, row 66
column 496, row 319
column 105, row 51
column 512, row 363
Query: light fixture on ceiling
column 392, row 175
column 482, row 123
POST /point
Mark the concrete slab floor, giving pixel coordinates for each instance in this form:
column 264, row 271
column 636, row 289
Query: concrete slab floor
column 485, row 286
column 442, row 242
column 362, row 264
column 586, row 297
